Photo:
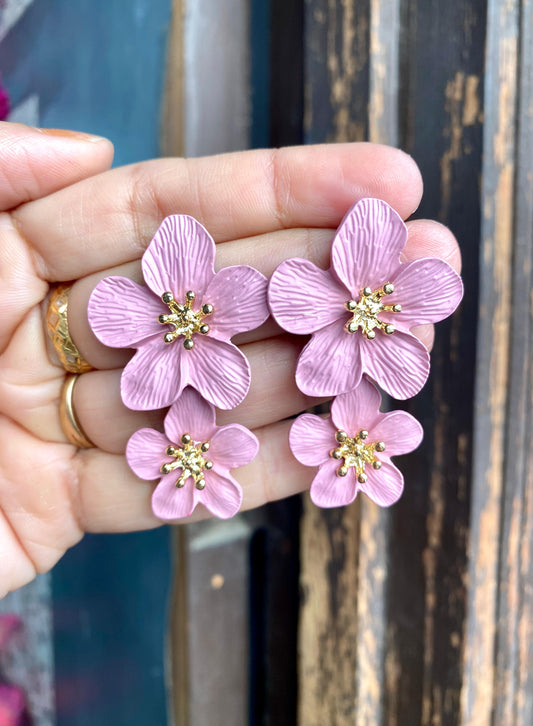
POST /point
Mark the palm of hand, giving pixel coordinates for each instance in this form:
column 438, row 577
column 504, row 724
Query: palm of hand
column 262, row 207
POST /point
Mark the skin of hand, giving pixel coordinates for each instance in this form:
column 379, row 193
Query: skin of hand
column 66, row 216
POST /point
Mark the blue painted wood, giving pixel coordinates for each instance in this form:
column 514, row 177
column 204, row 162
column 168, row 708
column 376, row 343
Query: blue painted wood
column 110, row 622
column 98, row 66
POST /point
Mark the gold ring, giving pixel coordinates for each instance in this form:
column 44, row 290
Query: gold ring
column 57, row 328
column 67, row 416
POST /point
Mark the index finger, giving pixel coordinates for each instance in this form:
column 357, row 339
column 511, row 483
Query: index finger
column 109, row 219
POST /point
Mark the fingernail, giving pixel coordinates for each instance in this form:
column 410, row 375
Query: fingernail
column 76, row 135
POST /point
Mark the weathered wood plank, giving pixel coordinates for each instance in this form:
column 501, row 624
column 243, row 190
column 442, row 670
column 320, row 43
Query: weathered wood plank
column 216, row 81
column 206, row 110
column 492, row 368
column 172, row 112
column 336, row 70
column 234, row 615
column 210, row 630
column 514, row 659
column 442, row 60
column 328, row 622
column 374, row 540
column 336, row 73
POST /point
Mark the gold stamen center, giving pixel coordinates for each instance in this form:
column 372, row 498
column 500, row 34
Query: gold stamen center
column 356, row 454
column 184, row 320
column 365, row 311
column 189, row 457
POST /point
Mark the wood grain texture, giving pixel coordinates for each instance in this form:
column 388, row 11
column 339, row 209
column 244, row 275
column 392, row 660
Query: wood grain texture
column 492, row 368
column 172, row 111
column 374, row 540
column 417, row 620
column 442, row 61
column 513, row 657
column 328, row 622
column 514, row 653
column 336, row 70
column 336, row 73
column 211, row 624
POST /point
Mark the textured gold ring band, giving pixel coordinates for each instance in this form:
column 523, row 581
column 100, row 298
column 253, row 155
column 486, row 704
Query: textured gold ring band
column 57, row 328
column 67, row 415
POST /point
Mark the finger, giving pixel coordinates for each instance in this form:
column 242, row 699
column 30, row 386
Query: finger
column 428, row 238
column 38, row 490
column 109, row 424
column 112, row 499
column 110, row 219
column 265, row 253
column 36, row 162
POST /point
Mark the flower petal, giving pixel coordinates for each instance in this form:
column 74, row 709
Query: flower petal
column 190, row 414
column 169, row 502
column 222, row 495
column 152, row 379
column 233, row 446
column 303, row 298
column 400, row 431
column 330, row 490
column 218, row 370
column 311, row 438
column 238, row 296
column 399, row 363
column 179, row 258
column 145, row 453
column 428, row 290
column 122, row 313
column 330, row 363
column 384, row 486
column 357, row 409
column 366, row 249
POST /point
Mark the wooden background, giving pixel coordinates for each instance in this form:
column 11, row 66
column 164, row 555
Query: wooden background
column 421, row 614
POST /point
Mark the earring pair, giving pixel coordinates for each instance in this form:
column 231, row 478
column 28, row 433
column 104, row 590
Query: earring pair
column 359, row 313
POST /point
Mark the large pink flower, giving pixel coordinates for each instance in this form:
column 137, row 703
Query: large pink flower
column 192, row 460
column 361, row 310
column 353, row 447
column 181, row 324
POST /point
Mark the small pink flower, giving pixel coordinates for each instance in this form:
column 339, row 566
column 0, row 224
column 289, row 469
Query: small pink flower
column 361, row 310
column 353, row 447
column 181, row 324
column 192, row 459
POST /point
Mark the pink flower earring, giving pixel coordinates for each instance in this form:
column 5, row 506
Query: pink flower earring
column 182, row 322
column 360, row 312
column 181, row 325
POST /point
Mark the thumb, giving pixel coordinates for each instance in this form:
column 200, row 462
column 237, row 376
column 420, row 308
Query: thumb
column 35, row 162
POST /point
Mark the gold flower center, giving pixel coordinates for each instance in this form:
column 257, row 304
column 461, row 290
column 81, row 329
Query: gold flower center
column 365, row 311
column 190, row 459
column 356, row 453
column 184, row 320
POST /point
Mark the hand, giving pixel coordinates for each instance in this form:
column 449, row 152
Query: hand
column 261, row 207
